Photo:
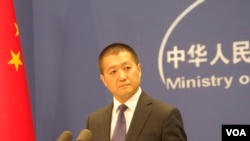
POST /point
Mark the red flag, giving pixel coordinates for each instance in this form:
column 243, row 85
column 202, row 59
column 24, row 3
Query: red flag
column 15, row 110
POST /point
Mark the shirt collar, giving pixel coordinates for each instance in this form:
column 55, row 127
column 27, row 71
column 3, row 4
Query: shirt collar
column 131, row 103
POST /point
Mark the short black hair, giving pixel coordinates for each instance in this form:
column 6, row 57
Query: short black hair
column 116, row 48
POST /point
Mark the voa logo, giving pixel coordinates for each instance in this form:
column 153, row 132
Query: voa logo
column 236, row 132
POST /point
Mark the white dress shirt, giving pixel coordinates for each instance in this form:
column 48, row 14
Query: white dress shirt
column 131, row 104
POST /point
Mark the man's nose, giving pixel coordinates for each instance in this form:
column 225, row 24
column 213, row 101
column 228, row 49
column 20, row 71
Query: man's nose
column 122, row 75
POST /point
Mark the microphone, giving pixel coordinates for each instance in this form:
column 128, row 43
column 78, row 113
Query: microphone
column 65, row 136
column 85, row 135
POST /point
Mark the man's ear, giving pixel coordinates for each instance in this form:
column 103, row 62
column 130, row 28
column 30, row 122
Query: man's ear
column 103, row 80
column 139, row 68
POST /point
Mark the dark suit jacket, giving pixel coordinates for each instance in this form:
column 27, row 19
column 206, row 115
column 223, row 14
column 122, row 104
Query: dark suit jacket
column 153, row 120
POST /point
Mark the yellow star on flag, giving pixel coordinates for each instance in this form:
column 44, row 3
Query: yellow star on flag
column 15, row 60
column 17, row 29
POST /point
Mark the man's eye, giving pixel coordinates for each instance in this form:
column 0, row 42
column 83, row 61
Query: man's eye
column 127, row 68
column 113, row 72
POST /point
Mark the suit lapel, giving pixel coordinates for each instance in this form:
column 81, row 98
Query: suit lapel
column 142, row 111
column 105, row 123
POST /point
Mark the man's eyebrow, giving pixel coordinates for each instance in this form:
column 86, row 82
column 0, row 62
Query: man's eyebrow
column 115, row 66
column 126, row 62
column 111, row 67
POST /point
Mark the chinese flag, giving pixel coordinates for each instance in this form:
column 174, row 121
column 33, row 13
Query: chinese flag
column 15, row 112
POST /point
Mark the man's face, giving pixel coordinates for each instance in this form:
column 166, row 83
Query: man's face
column 121, row 75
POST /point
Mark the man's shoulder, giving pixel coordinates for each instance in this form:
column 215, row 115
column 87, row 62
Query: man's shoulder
column 156, row 102
column 102, row 110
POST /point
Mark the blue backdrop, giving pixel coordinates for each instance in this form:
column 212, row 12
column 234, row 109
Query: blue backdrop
column 195, row 54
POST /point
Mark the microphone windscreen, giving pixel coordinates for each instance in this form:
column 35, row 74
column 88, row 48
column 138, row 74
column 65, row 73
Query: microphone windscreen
column 85, row 135
column 65, row 136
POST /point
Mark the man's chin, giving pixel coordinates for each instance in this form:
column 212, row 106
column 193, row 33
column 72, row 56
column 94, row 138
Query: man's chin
column 127, row 92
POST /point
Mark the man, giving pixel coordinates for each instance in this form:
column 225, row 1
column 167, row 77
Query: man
column 146, row 118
